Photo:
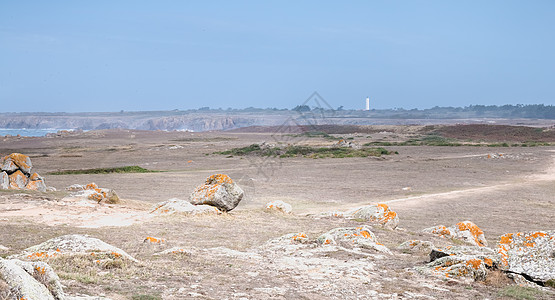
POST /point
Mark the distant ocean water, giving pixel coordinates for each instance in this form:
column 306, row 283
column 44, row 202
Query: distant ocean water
column 26, row 132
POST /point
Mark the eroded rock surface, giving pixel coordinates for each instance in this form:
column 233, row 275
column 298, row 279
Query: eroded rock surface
column 376, row 213
column 31, row 280
column 529, row 253
column 280, row 206
column 464, row 231
column 73, row 244
column 219, row 191
column 92, row 192
column 176, row 205
column 353, row 237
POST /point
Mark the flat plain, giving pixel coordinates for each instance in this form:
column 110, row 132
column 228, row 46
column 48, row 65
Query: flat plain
column 501, row 189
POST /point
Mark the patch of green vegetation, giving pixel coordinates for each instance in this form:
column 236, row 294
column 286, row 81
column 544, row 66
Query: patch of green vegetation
column 126, row 169
column 519, row 292
column 252, row 149
column 146, row 297
column 550, row 283
column 305, row 151
column 316, row 134
column 437, row 140
column 337, row 152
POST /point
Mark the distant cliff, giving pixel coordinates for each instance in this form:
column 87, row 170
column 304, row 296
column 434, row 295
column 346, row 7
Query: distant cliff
column 217, row 119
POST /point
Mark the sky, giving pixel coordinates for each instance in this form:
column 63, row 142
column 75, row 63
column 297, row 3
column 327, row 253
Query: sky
column 162, row 55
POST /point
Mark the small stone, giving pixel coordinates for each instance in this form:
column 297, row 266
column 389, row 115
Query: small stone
column 280, row 206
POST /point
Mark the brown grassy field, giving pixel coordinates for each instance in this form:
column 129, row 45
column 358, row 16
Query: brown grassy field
column 501, row 189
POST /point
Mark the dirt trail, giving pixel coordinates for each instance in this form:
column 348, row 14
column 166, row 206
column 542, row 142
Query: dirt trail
column 547, row 175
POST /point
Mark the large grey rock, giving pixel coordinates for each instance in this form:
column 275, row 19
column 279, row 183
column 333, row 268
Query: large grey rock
column 219, row 191
column 16, row 161
column 19, row 277
column 529, row 253
column 4, row 181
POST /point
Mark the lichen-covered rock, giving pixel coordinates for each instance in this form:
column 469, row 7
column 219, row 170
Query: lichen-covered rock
column 4, row 181
column 175, row 205
column 21, row 162
column 73, row 244
column 25, row 285
column 219, row 191
column 416, row 246
column 529, row 253
column 353, row 237
column 36, row 185
column 458, row 266
column 92, row 192
column 18, row 180
column 31, row 280
column 45, row 275
column 461, row 261
column 377, row 213
column 469, row 232
column 279, row 205
column 464, row 231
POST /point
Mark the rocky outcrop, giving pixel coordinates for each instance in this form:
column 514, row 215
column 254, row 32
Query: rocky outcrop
column 416, row 246
column 471, row 262
column 74, row 244
column 92, row 192
column 175, row 205
column 530, row 254
column 279, row 206
column 219, row 191
column 16, row 174
column 359, row 237
column 375, row 213
column 31, row 280
column 465, row 231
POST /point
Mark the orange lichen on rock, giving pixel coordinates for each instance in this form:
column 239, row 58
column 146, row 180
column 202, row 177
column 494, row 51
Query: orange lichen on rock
column 474, row 230
column 115, row 254
column 488, row 262
column 299, row 237
column 154, row 240
column 474, row 263
column 40, row 270
column 442, row 231
column 91, row 186
column 218, row 179
column 18, row 180
column 20, row 160
column 38, row 255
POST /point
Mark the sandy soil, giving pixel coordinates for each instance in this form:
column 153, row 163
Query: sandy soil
column 500, row 189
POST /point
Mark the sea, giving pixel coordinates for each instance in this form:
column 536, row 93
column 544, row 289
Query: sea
column 26, row 132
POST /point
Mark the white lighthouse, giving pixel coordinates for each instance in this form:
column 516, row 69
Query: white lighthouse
column 367, row 103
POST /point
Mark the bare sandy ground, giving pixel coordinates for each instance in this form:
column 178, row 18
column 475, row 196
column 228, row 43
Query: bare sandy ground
column 426, row 186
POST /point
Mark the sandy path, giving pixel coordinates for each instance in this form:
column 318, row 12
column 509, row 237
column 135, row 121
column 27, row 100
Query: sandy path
column 547, row 175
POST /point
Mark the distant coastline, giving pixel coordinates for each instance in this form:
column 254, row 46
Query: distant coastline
column 26, row 132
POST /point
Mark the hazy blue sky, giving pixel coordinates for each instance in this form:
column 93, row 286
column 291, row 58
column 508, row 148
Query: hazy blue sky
column 162, row 55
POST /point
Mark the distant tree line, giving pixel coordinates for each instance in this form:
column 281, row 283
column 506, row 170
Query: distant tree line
column 529, row 111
